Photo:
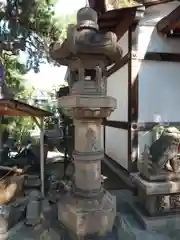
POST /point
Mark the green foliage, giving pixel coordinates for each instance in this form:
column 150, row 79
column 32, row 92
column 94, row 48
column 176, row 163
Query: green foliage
column 27, row 25
column 51, row 107
column 13, row 73
column 63, row 22
column 31, row 25
column 19, row 127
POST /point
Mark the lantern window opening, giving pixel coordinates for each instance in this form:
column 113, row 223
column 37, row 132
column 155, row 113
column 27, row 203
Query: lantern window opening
column 90, row 75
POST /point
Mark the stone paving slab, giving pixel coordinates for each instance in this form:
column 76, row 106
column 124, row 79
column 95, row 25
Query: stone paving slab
column 127, row 226
column 40, row 233
column 157, row 223
column 132, row 231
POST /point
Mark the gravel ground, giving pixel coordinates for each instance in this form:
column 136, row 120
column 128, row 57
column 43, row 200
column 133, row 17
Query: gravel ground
column 50, row 230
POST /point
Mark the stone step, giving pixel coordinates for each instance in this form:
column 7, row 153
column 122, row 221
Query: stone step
column 130, row 230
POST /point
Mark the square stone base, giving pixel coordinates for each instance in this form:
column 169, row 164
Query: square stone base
column 156, row 188
column 163, row 176
column 158, row 198
column 85, row 216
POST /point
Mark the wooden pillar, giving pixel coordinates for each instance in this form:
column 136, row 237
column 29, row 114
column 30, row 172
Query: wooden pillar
column 42, row 154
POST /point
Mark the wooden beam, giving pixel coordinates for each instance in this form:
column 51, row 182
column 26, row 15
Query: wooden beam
column 167, row 23
column 155, row 2
column 116, row 124
column 147, row 126
column 134, row 117
column 162, row 56
column 118, row 65
column 98, row 6
column 129, row 140
column 36, row 120
column 126, row 22
column 42, row 155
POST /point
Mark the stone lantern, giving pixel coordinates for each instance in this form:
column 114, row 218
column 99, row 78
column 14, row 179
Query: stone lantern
column 87, row 208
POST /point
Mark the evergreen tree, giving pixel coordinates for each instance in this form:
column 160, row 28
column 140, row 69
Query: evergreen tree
column 29, row 25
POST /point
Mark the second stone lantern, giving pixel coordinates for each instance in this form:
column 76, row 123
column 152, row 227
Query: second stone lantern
column 87, row 209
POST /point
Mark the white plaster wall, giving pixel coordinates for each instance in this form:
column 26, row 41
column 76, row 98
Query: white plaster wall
column 159, row 83
column 124, row 43
column 117, row 87
column 116, row 145
column 149, row 40
column 102, row 136
column 144, row 138
column 159, row 91
column 155, row 13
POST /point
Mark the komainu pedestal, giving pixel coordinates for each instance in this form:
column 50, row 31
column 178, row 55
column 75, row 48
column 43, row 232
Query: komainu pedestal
column 158, row 182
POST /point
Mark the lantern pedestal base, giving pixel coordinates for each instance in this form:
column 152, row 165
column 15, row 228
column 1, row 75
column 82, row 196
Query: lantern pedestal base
column 87, row 216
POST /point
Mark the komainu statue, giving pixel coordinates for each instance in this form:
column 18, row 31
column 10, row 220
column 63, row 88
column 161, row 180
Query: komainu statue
column 163, row 155
column 158, row 181
column 85, row 38
column 164, row 151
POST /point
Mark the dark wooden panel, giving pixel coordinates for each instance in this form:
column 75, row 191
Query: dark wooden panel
column 169, row 22
column 118, row 65
column 116, row 124
column 129, row 97
column 154, row 2
column 147, row 126
column 134, row 134
column 104, row 135
column 160, row 56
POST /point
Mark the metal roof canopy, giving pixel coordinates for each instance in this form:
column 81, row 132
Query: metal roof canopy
column 12, row 107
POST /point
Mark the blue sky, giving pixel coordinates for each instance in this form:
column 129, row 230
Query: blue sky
column 50, row 75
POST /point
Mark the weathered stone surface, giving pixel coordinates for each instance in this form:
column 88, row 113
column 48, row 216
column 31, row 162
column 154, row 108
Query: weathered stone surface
column 157, row 206
column 33, row 208
column 161, row 161
column 85, row 38
column 157, row 198
column 156, row 223
column 32, row 181
column 86, row 208
column 154, row 188
column 162, row 176
column 166, row 148
column 87, row 106
column 90, row 216
column 127, row 226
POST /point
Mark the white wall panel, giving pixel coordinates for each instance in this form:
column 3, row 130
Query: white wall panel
column 117, row 87
column 149, row 40
column 117, row 145
column 159, row 91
